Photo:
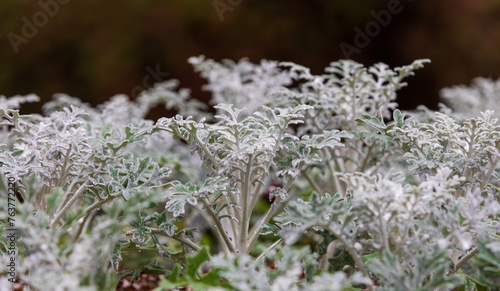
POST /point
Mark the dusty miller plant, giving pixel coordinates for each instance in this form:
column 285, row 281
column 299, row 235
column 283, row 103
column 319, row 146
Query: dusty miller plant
column 305, row 182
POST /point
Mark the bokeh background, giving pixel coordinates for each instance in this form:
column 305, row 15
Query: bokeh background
column 94, row 49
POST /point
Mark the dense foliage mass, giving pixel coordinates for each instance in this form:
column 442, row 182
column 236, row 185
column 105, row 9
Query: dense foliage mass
column 294, row 181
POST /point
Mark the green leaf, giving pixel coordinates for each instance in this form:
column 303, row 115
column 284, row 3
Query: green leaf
column 398, row 118
column 310, row 269
column 54, row 199
column 195, row 261
column 72, row 217
column 175, row 276
column 268, row 228
column 471, row 284
column 369, row 257
column 17, row 153
column 116, row 257
column 328, row 237
column 372, row 120
column 193, row 279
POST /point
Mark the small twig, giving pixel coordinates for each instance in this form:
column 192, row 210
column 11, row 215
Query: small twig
column 220, row 228
column 206, row 151
column 70, row 203
column 68, row 192
column 312, row 183
column 255, row 232
column 465, row 258
column 83, row 225
column 354, row 254
column 489, row 174
column 64, row 168
column 270, row 248
column 213, row 227
column 367, row 157
column 182, row 240
column 74, row 198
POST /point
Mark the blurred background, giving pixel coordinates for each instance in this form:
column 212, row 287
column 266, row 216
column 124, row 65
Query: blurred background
column 95, row 49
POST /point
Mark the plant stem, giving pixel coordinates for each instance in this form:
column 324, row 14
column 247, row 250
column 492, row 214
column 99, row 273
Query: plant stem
column 488, row 175
column 338, row 187
column 255, row 197
column 64, row 168
column 465, row 258
column 98, row 203
column 245, row 219
column 83, row 226
column 183, row 240
column 86, row 213
column 75, row 197
column 385, row 238
column 270, row 248
column 70, row 203
column 232, row 212
column 367, row 157
column 68, row 191
column 354, row 254
column 207, row 152
column 220, row 228
column 213, row 227
column 255, row 232
column 312, row 183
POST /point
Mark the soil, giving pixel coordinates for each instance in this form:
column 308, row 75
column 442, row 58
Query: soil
column 146, row 282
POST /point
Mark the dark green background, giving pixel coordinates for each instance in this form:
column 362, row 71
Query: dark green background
column 95, row 49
